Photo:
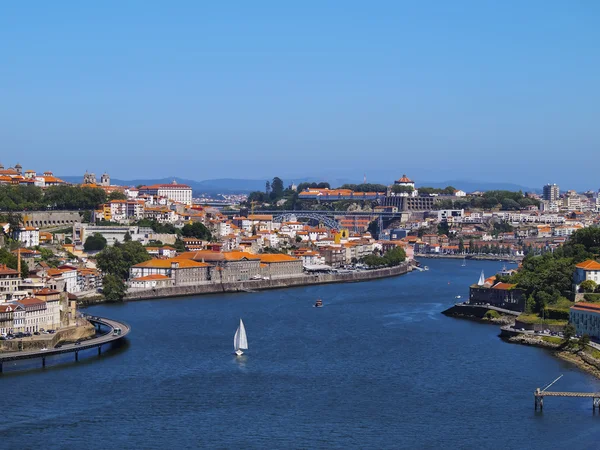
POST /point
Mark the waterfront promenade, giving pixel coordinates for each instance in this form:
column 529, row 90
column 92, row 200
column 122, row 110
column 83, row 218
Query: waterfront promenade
column 261, row 285
column 108, row 336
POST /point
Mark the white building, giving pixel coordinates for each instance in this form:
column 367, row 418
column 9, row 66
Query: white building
column 181, row 193
column 587, row 270
column 586, row 318
column 28, row 236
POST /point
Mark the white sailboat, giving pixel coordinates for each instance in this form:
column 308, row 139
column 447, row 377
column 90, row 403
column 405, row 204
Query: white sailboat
column 240, row 341
column 464, row 263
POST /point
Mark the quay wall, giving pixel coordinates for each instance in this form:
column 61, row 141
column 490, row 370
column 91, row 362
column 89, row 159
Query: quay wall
column 258, row 285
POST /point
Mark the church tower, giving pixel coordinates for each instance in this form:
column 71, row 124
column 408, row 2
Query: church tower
column 105, row 179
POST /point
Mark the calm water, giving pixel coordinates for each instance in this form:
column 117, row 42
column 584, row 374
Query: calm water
column 377, row 367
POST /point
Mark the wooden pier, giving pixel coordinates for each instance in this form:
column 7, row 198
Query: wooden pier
column 540, row 394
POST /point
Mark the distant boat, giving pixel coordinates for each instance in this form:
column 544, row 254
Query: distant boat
column 458, row 296
column 426, row 268
column 240, row 341
column 319, row 303
column 464, row 263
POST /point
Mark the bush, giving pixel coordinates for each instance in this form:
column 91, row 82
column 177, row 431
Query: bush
column 96, row 242
column 594, row 298
column 492, row 314
column 557, row 313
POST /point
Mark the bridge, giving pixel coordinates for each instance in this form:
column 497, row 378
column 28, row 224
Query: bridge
column 328, row 218
column 97, row 342
column 539, row 395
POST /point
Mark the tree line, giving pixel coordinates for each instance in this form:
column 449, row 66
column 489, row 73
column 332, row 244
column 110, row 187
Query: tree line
column 33, row 198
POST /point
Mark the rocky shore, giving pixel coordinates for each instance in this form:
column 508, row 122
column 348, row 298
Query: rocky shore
column 583, row 359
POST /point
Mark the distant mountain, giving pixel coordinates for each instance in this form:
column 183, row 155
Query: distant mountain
column 218, row 185
column 239, row 185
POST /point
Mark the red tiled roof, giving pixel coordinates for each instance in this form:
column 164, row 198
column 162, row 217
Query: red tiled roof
column 589, row 265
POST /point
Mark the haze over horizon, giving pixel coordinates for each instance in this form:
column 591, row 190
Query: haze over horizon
column 466, row 90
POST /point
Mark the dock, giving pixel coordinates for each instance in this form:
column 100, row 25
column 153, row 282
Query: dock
column 539, row 397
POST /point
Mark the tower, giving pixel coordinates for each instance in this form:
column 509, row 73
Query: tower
column 89, row 178
column 19, row 168
column 105, row 179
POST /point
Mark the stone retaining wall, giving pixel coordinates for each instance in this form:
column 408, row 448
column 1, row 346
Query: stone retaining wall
column 257, row 285
column 49, row 340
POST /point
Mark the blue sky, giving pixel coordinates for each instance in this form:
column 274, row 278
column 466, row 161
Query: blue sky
column 484, row 90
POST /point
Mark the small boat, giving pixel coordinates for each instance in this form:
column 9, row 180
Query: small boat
column 464, row 263
column 240, row 341
column 426, row 268
column 458, row 296
column 43, row 349
column 319, row 303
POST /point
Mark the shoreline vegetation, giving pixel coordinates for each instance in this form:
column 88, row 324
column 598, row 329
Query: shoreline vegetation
column 585, row 358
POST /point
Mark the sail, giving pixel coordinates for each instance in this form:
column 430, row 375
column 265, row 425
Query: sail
column 481, row 281
column 240, row 342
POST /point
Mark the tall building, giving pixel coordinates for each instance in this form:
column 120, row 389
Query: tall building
column 89, row 178
column 181, row 193
column 105, row 179
column 551, row 192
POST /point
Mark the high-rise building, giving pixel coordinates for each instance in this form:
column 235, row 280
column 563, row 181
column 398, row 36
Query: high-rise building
column 551, row 192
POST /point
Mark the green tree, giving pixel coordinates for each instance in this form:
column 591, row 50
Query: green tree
column 118, row 259
column 398, row 189
column 127, row 237
column 179, row 246
column 96, row 242
column 11, row 260
column 584, row 341
column 276, row 188
column 443, row 228
column 196, row 230
column 461, row 245
column 568, row 333
column 113, row 288
column 588, row 286
column 117, row 195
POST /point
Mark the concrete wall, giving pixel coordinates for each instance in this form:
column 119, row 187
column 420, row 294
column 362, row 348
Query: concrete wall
column 44, row 219
column 255, row 285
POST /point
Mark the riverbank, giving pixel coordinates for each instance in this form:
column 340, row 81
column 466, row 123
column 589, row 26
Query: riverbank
column 586, row 359
column 258, row 285
column 484, row 314
column 509, row 259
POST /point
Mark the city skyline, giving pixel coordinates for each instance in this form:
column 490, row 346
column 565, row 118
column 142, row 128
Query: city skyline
column 440, row 92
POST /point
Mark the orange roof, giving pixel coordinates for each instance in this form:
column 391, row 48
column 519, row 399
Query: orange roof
column 276, row 258
column 584, row 306
column 589, row 265
column 404, row 179
column 166, row 263
column 46, row 291
column 151, row 278
column 504, row 286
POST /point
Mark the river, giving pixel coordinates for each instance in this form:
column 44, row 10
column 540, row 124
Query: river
column 377, row 367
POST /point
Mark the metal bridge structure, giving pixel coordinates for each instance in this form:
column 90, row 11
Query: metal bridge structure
column 327, row 218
